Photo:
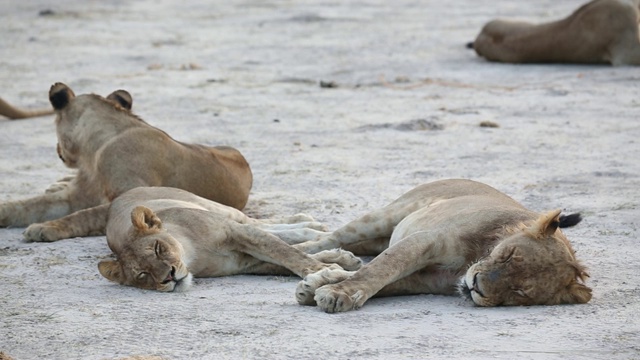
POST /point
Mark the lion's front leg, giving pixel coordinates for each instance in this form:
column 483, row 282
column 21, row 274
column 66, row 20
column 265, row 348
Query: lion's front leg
column 87, row 222
column 37, row 209
column 263, row 246
column 415, row 252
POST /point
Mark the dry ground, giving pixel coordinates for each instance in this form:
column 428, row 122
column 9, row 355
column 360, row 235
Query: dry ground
column 400, row 105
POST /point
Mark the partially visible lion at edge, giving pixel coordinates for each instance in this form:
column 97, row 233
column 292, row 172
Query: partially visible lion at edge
column 114, row 151
column 599, row 32
column 13, row 113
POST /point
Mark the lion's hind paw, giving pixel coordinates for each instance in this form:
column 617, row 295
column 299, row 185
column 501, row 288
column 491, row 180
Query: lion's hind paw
column 344, row 258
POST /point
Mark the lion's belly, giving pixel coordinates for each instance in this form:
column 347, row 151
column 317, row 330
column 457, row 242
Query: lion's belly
column 209, row 264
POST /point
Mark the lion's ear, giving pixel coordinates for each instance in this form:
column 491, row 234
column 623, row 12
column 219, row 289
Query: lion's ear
column 575, row 293
column 145, row 220
column 111, row 270
column 546, row 225
column 122, row 98
column 60, row 95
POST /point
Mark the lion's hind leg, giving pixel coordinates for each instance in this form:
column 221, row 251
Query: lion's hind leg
column 376, row 226
column 295, row 233
column 293, row 219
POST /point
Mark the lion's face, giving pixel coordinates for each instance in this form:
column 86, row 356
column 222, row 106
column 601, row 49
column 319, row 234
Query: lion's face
column 152, row 260
column 534, row 266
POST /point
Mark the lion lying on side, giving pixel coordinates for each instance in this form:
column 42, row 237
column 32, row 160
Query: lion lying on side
column 452, row 236
column 13, row 113
column 601, row 31
column 114, row 151
column 164, row 236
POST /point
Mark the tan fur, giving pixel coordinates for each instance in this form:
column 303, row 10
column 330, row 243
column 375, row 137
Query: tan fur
column 601, row 31
column 114, row 151
column 164, row 236
column 436, row 234
column 13, row 113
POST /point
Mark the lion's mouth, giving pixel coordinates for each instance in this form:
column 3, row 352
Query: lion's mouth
column 474, row 287
column 171, row 276
column 466, row 291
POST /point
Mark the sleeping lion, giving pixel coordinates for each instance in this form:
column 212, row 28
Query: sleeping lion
column 601, row 31
column 448, row 237
column 163, row 237
column 114, row 151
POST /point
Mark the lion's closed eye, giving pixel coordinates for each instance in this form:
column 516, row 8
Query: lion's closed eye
column 507, row 257
column 521, row 293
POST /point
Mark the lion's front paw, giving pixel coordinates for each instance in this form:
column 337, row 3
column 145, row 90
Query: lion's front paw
column 305, row 291
column 333, row 299
column 299, row 218
column 344, row 258
column 44, row 233
column 317, row 226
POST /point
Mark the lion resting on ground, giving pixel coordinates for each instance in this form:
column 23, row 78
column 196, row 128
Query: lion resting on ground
column 114, row 151
column 164, row 236
column 601, row 31
column 13, row 113
column 436, row 234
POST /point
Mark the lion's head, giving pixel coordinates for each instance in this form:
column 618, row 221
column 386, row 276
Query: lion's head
column 151, row 260
column 69, row 109
column 535, row 265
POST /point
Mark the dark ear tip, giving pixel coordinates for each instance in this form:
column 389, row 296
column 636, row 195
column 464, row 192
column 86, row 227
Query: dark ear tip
column 122, row 98
column 570, row 220
column 59, row 95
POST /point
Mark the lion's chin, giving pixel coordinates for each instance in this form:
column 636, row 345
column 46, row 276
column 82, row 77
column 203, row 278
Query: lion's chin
column 470, row 292
column 183, row 284
column 463, row 289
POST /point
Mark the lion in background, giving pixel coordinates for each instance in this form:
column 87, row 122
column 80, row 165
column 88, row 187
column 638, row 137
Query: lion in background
column 448, row 237
column 162, row 237
column 601, row 31
column 114, row 151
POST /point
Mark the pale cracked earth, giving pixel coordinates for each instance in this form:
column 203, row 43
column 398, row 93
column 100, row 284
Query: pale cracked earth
column 401, row 103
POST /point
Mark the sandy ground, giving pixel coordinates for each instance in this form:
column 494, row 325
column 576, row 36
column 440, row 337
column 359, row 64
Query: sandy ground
column 247, row 74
